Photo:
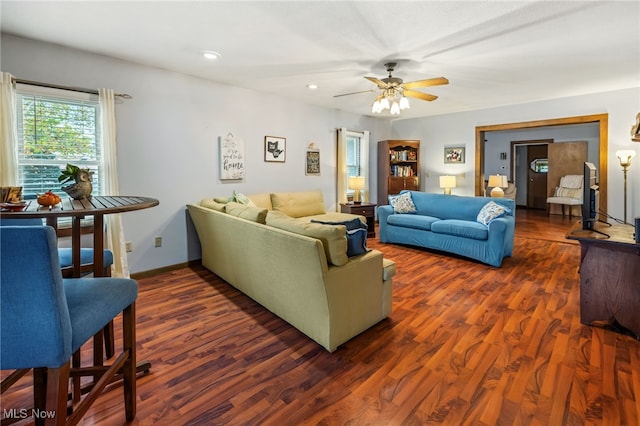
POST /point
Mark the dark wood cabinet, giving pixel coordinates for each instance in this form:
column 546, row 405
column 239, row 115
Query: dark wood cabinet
column 398, row 167
column 367, row 210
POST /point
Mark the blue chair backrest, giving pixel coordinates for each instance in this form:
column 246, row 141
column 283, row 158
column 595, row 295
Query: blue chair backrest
column 35, row 327
column 32, row 221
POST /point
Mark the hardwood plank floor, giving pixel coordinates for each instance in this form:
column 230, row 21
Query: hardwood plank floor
column 466, row 344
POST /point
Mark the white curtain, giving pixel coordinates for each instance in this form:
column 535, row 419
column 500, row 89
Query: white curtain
column 114, row 238
column 341, row 180
column 9, row 149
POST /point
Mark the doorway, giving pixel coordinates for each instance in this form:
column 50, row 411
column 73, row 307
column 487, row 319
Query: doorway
column 602, row 120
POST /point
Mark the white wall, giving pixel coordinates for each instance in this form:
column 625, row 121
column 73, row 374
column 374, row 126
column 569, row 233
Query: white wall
column 168, row 133
column 436, row 132
column 168, row 139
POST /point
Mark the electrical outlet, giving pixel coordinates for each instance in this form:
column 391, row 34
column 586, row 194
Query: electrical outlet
column 128, row 246
column 158, row 241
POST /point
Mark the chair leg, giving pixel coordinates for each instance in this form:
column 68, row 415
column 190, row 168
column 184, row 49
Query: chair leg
column 50, row 393
column 109, row 340
column 129, row 368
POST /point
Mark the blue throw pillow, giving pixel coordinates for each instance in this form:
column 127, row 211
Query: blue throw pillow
column 356, row 235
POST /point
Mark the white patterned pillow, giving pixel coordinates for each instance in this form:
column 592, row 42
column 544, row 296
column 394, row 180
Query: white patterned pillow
column 402, row 203
column 490, row 212
column 242, row 199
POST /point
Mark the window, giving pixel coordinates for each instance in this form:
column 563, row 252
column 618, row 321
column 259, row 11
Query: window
column 355, row 161
column 56, row 127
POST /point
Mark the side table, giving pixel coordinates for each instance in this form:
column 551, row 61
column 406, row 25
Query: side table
column 368, row 210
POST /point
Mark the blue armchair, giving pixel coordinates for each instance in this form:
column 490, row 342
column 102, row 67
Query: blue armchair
column 45, row 319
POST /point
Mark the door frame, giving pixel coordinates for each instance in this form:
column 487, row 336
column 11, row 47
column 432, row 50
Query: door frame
column 603, row 124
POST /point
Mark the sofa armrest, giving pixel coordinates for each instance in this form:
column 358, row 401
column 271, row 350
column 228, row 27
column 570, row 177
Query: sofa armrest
column 383, row 213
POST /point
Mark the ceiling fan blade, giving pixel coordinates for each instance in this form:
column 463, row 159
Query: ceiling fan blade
column 426, row 83
column 354, row 93
column 420, row 95
column 381, row 84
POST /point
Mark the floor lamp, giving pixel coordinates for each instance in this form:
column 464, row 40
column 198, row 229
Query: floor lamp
column 625, row 156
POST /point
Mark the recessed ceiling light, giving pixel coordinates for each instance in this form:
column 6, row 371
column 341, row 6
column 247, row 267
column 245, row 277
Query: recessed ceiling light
column 210, row 54
column 312, row 86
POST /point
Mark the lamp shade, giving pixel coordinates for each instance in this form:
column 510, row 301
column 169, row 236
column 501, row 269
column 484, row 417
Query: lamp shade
column 625, row 156
column 356, row 182
column 447, row 182
column 498, row 181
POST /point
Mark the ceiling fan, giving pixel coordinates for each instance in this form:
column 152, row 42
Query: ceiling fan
column 394, row 91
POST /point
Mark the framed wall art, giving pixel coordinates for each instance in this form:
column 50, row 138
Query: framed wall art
column 275, row 149
column 312, row 163
column 231, row 158
column 454, row 155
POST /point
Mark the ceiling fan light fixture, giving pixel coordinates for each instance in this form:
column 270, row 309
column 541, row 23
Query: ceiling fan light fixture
column 404, row 103
column 384, row 103
column 395, row 108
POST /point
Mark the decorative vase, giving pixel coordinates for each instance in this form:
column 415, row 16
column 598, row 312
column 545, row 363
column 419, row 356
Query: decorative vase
column 82, row 188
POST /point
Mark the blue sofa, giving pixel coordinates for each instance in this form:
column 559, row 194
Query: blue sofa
column 449, row 223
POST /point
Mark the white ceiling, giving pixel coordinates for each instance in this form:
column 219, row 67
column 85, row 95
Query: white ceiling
column 493, row 52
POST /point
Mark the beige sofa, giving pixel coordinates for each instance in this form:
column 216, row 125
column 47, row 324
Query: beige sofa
column 298, row 270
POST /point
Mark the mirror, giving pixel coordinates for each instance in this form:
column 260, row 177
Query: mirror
column 540, row 165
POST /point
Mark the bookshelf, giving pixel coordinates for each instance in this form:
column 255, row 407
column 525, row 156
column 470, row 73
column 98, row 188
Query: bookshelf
column 398, row 167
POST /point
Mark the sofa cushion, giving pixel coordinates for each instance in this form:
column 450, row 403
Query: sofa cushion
column 490, row 212
column 298, row 204
column 461, row 228
column 402, row 203
column 334, row 238
column 413, row 221
column 222, row 200
column 212, row 204
column 254, row 214
column 356, row 235
column 262, row 200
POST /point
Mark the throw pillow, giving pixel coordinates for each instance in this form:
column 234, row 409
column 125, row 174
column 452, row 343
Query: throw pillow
column 356, row 235
column 402, row 203
column 242, row 199
column 490, row 212
column 223, row 200
column 212, row 204
column 298, row 204
column 333, row 238
column 254, row 214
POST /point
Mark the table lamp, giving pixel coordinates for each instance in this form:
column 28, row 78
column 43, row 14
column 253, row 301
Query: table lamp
column 497, row 182
column 447, row 182
column 357, row 184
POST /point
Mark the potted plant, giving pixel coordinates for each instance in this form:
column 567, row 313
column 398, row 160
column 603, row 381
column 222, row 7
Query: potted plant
column 82, row 187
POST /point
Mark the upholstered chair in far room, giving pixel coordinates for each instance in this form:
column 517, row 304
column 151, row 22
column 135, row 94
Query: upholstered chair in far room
column 568, row 193
column 45, row 319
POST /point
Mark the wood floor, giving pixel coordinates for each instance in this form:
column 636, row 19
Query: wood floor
column 466, row 344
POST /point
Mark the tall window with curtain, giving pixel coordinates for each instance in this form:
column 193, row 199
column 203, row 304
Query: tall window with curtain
column 56, row 127
column 353, row 160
